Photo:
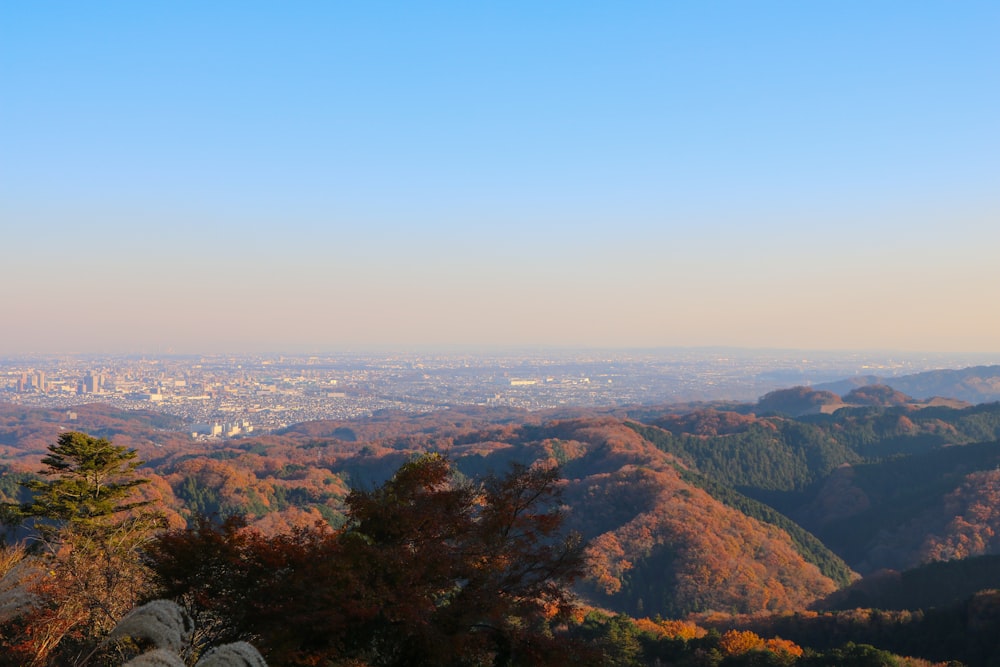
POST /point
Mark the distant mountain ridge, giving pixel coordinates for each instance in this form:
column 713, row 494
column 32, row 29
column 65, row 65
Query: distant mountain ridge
column 976, row 384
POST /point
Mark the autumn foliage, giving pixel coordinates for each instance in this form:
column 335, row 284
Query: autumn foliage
column 428, row 570
column 737, row 642
column 705, row 511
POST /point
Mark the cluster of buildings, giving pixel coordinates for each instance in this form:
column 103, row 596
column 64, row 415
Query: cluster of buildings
column 224, row 430
column 226, row 396
column 34, row 382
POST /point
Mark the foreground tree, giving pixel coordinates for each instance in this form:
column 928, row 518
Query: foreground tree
column 427, row 570
column 87, row 480
column 88, row 534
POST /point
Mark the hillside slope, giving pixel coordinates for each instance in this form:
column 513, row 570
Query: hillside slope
column 977, row 384
column 700, row 510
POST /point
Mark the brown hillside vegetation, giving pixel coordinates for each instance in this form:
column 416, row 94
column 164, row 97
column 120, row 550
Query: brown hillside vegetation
column 971, row 516
column 645, row 523
column 695, row 514
column 692, row 552
column 903, row 512
column 799, row 401
column 966, row 523
column 707, row 422
column 877, row 394
column 660, row 545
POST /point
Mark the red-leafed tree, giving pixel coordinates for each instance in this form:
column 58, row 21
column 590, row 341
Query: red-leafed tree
column 427, row 570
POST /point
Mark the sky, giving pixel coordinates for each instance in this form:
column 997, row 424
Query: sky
column 259, row 176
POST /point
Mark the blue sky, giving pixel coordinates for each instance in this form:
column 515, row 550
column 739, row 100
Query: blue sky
column 278, row 176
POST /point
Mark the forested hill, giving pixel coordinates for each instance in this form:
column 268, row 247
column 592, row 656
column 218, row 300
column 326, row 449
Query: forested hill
column 684, row 511
column 978, row 384
column 882, row 487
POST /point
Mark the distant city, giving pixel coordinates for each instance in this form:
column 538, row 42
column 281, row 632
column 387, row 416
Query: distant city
column 224, row 395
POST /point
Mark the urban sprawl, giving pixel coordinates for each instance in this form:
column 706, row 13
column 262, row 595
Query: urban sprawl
column 226, row 395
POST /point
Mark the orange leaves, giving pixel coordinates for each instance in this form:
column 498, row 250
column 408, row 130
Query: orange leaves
column 971, row 518
column 737, row 642
column 701, row 554
column 607, row 562
column 670, row 629
column 779, row 645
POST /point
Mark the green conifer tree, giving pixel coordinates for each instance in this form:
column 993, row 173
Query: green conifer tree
column 89, row 481
column 89, row 532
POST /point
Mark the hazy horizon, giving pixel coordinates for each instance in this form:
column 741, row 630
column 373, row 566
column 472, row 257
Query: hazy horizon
column 873, row 361
column 246, row 177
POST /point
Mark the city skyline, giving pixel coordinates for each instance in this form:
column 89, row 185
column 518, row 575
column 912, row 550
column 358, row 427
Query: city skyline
column 244, row 177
